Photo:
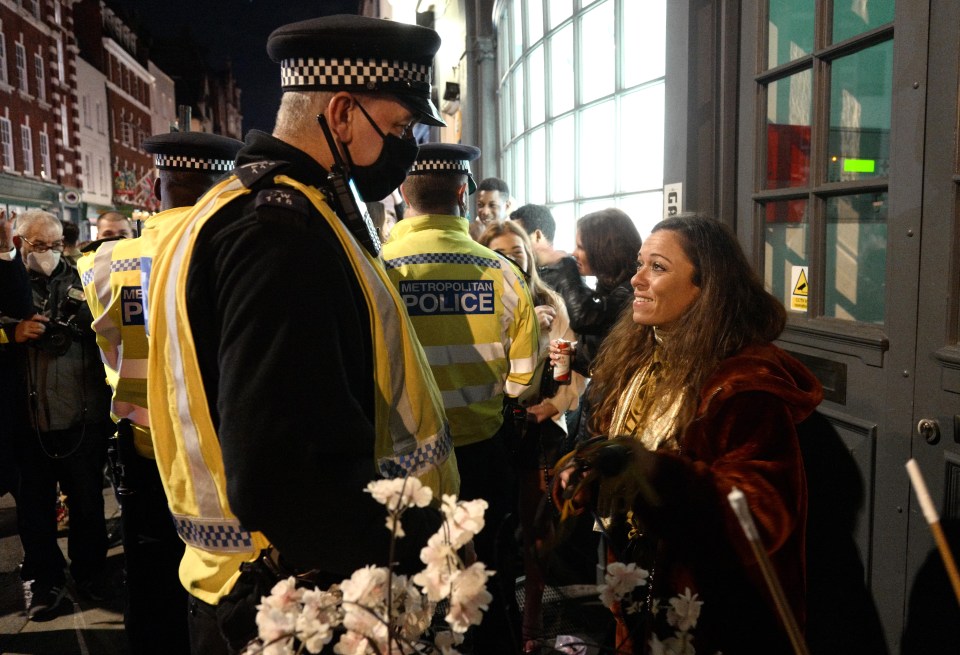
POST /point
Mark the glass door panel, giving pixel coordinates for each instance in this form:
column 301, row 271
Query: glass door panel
column 785, row 252
column 790, row 30
column 859, row 16
column 856, row 257
column 861, row 89
column 789, row 106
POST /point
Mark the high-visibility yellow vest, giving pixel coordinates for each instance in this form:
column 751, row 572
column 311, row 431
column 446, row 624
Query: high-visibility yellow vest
column 473, row 314
column 412, row 435
column 112, row 277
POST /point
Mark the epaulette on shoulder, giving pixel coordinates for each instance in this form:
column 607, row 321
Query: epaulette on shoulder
column 286, row 198
column 250, row 174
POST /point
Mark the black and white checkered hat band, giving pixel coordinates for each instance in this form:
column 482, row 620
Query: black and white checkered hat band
column 434, row 165
column 305, row 72
column 194, row 163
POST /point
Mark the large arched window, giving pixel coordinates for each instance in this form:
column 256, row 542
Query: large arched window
column 582, row 106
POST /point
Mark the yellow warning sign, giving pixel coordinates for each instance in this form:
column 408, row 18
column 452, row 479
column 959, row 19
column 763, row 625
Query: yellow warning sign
column 800, row 288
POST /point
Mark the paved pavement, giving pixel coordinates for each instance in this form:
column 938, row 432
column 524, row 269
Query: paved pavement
column 82, row 627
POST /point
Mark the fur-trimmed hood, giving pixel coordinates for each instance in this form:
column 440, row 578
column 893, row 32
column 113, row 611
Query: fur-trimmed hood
column 765, row 368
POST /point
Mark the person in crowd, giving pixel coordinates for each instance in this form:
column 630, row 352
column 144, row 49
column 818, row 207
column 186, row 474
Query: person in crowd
column 155, row 611
column 479, row 330
column 696, row 400
column 269, row 417
column 607, row 242
column 493, row 204
column 111, row 225
column 553, row 265
column 546, row 429
column 71, row 235
column 16, row 304
column 63, row 438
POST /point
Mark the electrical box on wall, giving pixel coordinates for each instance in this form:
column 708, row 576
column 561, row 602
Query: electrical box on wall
column 672, row 199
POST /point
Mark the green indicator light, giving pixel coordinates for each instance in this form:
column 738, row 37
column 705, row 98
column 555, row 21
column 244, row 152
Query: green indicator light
column 859, row 165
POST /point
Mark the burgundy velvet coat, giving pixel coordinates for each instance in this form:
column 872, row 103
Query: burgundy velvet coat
column 744, row 435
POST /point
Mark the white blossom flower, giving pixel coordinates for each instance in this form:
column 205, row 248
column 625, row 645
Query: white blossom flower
column 400, row 493
column 284, row 595
column 469, row 596
column 274, row 624
column 464, row 519
column 318, row 618
column 351, row 643
column 684, row 611
column 620, row 579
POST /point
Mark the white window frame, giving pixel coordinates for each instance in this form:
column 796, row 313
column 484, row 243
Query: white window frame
column 38, row 65
column 519, row 48
column 6, row 143
column 3, row 56
column 26, row 142
column 21, row 61
column 46, row 172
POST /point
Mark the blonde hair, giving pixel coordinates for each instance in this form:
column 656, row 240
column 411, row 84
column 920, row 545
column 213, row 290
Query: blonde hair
column 542, row 294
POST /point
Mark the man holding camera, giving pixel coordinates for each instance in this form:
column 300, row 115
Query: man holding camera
column 64, row 402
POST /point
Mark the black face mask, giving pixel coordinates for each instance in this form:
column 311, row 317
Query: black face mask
column 379, row 179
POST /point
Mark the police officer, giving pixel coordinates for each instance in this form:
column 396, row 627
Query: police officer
column 476, row 321
column 155, row 611
column 284, row 372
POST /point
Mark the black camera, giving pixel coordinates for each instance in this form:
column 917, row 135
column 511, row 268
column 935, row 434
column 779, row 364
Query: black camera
column 64, row 327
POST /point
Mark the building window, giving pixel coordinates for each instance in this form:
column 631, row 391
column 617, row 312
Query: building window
column 582, row 107
column 34, row 7
column 88, row 178
column 41, row 78
column 126, row 133
column 6, row 141
column 45, row 170
column 85, row 110
column 61, row 67
column 21, row 55
column 102, row 177
column 26, row 139
column 3, row 57
column 824, row 147
column 99, row 118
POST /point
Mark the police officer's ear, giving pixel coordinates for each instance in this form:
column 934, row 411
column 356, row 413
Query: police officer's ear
column 340, row 116
column 156, row 188
column 462, row 198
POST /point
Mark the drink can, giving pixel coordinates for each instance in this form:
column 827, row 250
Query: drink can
column 561, row 368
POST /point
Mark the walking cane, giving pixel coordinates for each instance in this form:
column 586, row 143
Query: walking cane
column 739, row 504
column 930, row 513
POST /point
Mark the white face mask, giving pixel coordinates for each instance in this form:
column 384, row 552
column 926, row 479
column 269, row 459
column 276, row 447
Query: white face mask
column 43, row 262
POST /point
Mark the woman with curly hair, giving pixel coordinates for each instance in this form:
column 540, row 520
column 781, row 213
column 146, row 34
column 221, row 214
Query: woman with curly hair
column 696, row 400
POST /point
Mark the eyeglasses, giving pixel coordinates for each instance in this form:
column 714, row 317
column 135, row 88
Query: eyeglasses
column 44, row 247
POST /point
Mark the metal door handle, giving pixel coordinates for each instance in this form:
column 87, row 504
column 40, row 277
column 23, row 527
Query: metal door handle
column 929, row 429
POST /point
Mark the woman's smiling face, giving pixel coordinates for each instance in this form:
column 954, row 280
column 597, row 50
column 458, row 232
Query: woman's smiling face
column 663, row 287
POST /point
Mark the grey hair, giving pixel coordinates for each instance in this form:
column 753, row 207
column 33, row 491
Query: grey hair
column 299, row 109
column 36, row 217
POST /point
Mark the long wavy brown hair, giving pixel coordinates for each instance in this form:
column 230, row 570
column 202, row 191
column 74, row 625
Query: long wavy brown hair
column 733, row 310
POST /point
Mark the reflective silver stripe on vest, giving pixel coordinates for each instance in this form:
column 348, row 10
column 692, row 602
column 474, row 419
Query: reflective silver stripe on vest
column 224, row 536
column 471, row 353
column 205, row 488
column 470, row 395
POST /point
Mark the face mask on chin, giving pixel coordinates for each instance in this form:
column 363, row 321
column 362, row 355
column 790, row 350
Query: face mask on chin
column 43, row 262
column 377, row 180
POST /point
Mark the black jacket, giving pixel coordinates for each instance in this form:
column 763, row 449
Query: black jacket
column 592, row 312
column 282, row 333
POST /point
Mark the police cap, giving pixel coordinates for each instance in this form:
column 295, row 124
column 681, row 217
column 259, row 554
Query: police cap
column 446, row 158
column 358, row 53
column 194, row 152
